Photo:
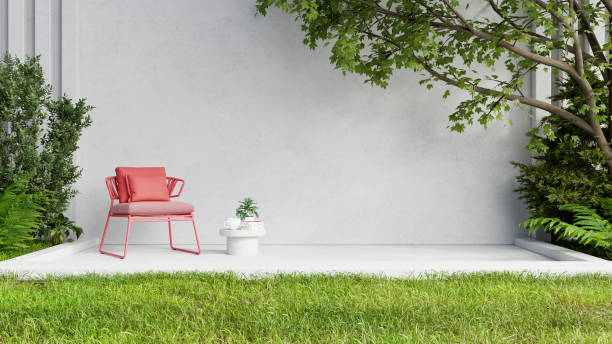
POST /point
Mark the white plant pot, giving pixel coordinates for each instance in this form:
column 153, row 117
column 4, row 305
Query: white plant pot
column 242, row 242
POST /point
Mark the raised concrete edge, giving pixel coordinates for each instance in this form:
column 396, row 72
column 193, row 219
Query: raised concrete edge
column 556, row 252
column 60, row 250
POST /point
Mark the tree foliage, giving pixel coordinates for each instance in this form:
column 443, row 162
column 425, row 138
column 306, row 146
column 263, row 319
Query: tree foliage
column 38, row 139
column 485, row 51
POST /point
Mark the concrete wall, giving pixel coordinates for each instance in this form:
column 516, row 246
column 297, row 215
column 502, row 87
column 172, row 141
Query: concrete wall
column 236, row 105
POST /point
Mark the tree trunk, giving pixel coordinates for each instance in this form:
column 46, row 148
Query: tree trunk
column 609, row 71
column 603, row 145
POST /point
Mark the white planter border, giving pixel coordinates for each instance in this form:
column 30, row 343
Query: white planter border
column 556, row 252
column 60, row 250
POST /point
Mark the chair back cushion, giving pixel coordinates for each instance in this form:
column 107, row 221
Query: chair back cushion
column 122, row 180
column 147, row 188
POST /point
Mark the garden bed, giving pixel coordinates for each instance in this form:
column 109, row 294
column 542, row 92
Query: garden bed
column 31, row 247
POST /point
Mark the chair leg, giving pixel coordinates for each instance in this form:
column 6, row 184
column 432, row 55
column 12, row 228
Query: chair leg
column 104, row 234
column 170, row 233
column 127, row 236
column 195, row 231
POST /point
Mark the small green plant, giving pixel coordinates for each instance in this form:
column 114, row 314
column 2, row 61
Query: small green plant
column 247, row 208
column 20, row 215
column 588, row 227
column 59, row 228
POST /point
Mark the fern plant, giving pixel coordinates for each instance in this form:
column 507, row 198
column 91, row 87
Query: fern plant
column 20, row 215
column 247, row 208
column 588, row 227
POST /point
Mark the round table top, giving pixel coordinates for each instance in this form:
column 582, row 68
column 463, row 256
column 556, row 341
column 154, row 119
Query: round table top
column 242, row 232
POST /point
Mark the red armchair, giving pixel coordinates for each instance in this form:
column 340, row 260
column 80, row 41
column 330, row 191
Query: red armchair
column 149, row 211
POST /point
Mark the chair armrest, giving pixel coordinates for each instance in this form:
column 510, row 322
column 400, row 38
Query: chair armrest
column 172, row 185
column 111, row 185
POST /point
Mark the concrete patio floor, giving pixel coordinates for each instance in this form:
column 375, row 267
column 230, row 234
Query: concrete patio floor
column 387, row 260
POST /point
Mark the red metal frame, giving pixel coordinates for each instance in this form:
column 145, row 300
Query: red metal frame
column 111, row 184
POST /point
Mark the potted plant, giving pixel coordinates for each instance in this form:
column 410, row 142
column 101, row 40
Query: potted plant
column 247, row 210
column 246, row 240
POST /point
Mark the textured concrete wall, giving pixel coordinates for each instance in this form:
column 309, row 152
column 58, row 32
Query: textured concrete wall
column 236, row 105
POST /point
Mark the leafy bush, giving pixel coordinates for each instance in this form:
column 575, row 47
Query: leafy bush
column 39, row 136
column 20, row 215
column 588, row 227
column 566, row 173
column 568, row 166
column 59, row 228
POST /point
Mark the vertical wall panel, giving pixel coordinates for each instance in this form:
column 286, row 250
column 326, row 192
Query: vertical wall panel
column 70, row 65
column 55, row 47
column 556, row 54
column 69, row 47
column 28, row 28
column 16, row 27
column 42, row 35
column 541, row 81
column 3, row 26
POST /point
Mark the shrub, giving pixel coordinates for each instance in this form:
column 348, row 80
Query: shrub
column 565, row 174
column 568, row 166
column 38, row 139
column 20, row 215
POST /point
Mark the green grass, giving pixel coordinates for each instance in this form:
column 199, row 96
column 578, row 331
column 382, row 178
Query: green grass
column 213, row 308
column 32, row 246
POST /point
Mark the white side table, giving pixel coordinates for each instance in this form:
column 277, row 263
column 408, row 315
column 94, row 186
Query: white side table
column 242, row 242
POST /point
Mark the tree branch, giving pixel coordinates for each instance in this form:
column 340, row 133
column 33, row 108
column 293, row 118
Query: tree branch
column 562, row 113
column 538, row 38
column 607, row 4
column 589, row 32
column 555, row 14
column 445, row 25
column 459, row 16
column 578, row 62
column 592, row 127
column 519, row 51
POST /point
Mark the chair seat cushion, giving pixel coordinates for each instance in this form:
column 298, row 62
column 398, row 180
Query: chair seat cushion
column 152, row 208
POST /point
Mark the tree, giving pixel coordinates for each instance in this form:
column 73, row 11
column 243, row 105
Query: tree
column 440, row 40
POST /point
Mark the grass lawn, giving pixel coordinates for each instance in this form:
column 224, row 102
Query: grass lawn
column 203, row 307
column 32, row 246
